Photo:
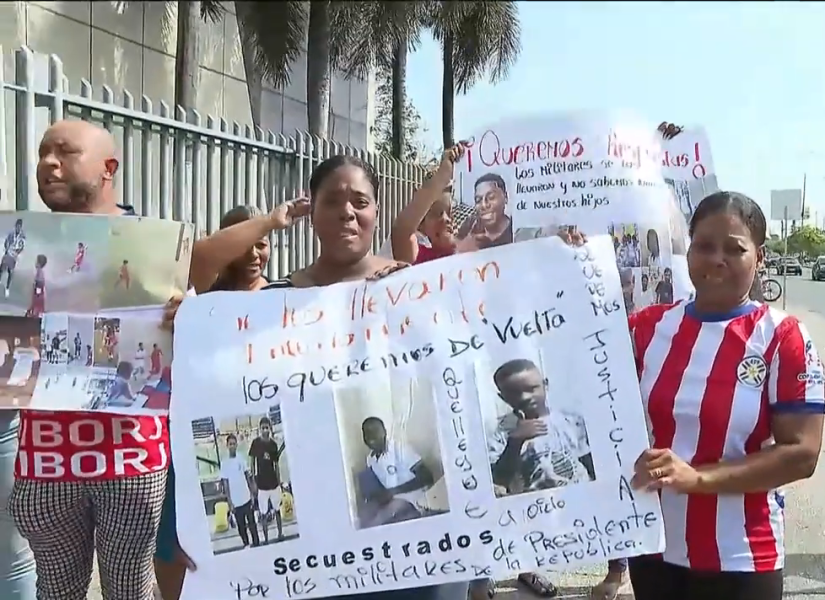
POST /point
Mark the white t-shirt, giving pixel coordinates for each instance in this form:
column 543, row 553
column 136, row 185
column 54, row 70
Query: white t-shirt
column 234, row 471
column 648, row 297
column 140, row 354
column 394, row 468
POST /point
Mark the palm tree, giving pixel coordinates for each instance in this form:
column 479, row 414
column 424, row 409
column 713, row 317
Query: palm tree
column 190, row 15
column 276, row 33
column 382, row 34
column 477, row 39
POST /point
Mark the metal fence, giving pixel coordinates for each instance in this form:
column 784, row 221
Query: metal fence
column 174, row 165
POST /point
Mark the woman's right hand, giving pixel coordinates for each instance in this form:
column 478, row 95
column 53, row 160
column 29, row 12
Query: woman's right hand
column 288, row 213
column 183, row 559
column 454, row 154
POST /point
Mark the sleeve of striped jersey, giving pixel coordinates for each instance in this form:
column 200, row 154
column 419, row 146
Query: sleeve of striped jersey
column 796, row 382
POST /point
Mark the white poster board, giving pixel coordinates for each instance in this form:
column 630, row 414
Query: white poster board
column 388, row 407
column 599, row 172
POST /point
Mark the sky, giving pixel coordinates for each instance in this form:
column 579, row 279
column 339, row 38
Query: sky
column 751, row 73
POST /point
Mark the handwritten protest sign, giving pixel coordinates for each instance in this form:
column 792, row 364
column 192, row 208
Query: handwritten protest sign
column 75, row 332
column 469, row 417
column 527, row 178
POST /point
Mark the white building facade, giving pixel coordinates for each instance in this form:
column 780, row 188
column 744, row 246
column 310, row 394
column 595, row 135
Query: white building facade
column 131, row 46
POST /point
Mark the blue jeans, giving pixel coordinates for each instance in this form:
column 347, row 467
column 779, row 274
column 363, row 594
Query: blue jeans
column 17, row 576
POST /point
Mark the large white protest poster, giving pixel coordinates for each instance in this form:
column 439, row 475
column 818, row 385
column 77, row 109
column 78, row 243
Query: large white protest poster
column 528, row 177
column 473, row 416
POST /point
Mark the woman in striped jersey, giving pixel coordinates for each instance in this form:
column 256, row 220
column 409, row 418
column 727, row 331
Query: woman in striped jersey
column 735, row 399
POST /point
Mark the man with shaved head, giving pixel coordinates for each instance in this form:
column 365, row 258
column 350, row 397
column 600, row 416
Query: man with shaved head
column 63, row 512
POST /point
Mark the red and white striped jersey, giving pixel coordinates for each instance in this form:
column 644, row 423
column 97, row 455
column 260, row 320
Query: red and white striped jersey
column 710, row 384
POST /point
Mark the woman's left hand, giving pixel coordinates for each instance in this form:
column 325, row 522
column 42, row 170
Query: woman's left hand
column 572, row 237
column 170, row 310
column 661, row 468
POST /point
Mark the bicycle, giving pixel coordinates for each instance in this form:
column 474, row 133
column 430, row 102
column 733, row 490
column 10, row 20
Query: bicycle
column 771, row 289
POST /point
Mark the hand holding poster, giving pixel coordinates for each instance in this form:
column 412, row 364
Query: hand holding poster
column 74, row 330
column 432, row 426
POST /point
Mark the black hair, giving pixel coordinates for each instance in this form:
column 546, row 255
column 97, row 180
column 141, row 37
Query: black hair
column 239, row 214
column 18, row 222
column 124, row 369
column 41, row 260
column 655, row 237
column 235, row 215
column 332, row 164
column 374, row 421
column 511, row 367
column 743, row 206
column 493, row 178
column 265, row 421
column 231, row 436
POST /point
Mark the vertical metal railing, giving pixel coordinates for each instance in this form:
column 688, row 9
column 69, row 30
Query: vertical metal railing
column 187, row 167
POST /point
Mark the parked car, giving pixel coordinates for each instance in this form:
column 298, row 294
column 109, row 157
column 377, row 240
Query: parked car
column 818, row 270
column 789, row 266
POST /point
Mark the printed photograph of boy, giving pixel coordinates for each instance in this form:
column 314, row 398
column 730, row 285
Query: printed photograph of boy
column 266, row 453
column 37, row 271
column 391, row 452
column 245, row 482
column 239, row 489
column 628, row 281
column 535, row 446
column 54, row 346
column 651, row 250
column 81, row 338
column 664, row 289
column 13, row 247
column 648, row 295
column 490, row 224
column 395, row 481
column 107, row 337
column 20, row 355
column 145, row 261
column 626, row 244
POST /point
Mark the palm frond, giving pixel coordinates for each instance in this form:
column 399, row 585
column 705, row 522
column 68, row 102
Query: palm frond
column 487, row 38
column 278, row 32
column 212, row 10
column 367, row 32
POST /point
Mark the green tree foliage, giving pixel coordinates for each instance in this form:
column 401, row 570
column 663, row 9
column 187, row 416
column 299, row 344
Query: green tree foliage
column 807, row 240
column 776, row 245
column 478, row 40
column 415, row 149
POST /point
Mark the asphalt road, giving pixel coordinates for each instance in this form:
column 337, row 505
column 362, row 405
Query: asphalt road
column 805, row 503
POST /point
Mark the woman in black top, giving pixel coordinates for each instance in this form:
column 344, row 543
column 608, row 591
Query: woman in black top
column 344, row 209
column 232, row 259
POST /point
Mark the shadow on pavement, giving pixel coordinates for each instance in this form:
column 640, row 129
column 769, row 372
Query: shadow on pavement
column 806, row 566
column 511, row 590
